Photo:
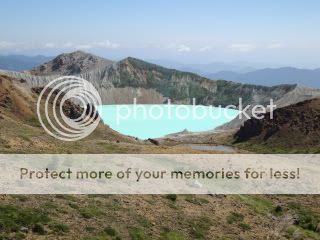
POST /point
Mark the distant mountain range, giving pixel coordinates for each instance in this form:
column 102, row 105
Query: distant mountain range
column 250, row 73
column 131, row 78
column 205, row 69
column 273, row 76
column 120, row 82
column 21, row 62
column 77, row 62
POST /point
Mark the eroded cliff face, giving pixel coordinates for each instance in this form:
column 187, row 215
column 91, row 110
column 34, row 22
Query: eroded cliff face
column 149, row 83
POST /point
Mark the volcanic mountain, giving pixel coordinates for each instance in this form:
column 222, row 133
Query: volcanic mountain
column 292, row 128
column 131, row 78
column 121, row 82
column 71, row 64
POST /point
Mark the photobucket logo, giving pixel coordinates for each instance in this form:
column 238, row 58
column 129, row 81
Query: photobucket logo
column 197, row 112
column 66, row 108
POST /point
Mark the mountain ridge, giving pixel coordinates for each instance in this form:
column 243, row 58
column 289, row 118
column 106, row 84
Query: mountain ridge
column 70, row 64
column 121, row 82
column 21, row 62
column 274, row 76
column 138, row 76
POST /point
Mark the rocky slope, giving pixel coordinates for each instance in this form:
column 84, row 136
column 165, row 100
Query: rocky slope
column 294, row 128
column 132, row 217
column 121, row 82
column 150, row 83
column 21, row 132
column 70, row 64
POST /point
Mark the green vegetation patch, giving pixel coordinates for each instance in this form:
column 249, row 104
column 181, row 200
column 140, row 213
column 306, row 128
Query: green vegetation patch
column 235, row 218
column 296, row 232
column 172, row 197
column 307, row 219
column 138, row 234
column 59, row 227
column 90, row 212
column 258, row 204
column 172, row 235
column 200, row 227
column 110, row 231
column 13, row 218
column 244, row 226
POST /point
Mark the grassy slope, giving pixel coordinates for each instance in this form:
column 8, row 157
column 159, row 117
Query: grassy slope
column 134, row 217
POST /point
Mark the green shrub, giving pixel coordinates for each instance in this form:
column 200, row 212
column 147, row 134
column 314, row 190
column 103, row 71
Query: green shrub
column 234, row 218
column 59, row 227
column 172, row 197
column 90, row 212
column 138, row 234
column 38, row 228
column 110, row 231
column 244, row 226
column 200, row 227
column 73, row 205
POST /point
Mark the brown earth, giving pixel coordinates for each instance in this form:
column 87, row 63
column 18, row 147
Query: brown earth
column 292, row 128
column 21, row 132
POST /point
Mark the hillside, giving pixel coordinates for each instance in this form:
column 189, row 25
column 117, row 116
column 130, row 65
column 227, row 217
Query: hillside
column 183, row 86
column 294, row 128
column 273, row 76
column 164, row 217
column 71, row 64
column 21, row 132
column 150, row 83
column 131, row 217
column 131, row 78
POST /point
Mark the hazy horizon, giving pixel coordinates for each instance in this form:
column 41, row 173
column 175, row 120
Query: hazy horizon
column 184, row 32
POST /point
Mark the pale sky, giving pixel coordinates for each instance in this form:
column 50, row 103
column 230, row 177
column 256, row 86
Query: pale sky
column 278, row 32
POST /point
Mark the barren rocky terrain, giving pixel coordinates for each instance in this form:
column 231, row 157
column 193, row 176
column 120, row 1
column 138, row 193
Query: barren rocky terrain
column 165, row 217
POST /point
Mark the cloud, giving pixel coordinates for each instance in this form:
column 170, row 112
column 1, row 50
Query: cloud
column 275, row 46
column 106, row 44
column 6, row 45
column 49, row 45
column 183, row 48
column 178, row 47
column 83, row 46
column 205, row 48
column 76, row 46
column 68, row 45
column 243, row 47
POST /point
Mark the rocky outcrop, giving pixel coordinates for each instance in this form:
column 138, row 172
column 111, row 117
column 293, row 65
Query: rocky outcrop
column 293, row 126
column 70, row 64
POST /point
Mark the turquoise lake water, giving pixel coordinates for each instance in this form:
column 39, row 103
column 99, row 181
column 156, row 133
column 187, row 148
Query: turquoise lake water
column 157, row 120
